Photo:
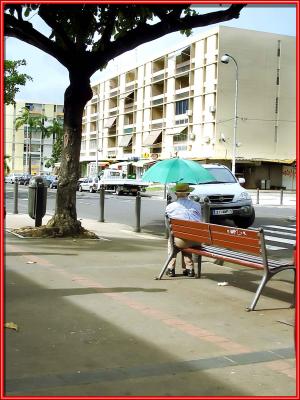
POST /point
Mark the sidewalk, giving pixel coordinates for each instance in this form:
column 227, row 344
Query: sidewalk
column 92, row 321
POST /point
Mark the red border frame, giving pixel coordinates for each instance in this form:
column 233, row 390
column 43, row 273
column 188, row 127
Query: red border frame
column 297, row 253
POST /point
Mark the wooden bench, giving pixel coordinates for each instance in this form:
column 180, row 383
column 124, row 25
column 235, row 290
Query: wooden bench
column 240, row 246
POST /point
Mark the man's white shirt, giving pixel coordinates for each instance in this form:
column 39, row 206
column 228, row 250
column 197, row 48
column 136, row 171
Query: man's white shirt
column 185, row 209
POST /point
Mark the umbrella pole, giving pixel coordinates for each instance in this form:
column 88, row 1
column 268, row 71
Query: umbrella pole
column 165, row 191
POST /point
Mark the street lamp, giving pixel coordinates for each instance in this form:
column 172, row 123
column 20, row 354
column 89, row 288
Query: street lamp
column 225, row 60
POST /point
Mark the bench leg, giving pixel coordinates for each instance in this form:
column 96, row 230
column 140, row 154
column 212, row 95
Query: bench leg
column 163, row 270
column 262, row 284
column 199, row 265
column 294, row 293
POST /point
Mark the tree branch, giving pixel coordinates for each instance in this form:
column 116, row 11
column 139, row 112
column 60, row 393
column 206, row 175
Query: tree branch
column 56, row 27
column 145, row 33
column 24, row 31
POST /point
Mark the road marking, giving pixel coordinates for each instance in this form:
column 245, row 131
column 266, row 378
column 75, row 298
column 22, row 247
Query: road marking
column 281, row 227
column 270, row 247
column 280, row 239
column 281, row 233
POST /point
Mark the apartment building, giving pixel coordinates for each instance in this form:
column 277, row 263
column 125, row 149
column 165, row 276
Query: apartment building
column 182, row 103
column 24, row 148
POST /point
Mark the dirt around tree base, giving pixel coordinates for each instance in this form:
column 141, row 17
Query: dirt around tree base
column 53, row 232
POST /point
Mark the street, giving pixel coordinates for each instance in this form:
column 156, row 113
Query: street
column 278, row 221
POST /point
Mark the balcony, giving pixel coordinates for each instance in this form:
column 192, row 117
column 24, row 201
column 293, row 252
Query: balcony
column 182, row 67
column 94, row 117
column 113, row 92
column 158, row 77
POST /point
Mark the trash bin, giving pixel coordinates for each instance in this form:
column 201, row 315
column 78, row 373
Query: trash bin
column 37, row 199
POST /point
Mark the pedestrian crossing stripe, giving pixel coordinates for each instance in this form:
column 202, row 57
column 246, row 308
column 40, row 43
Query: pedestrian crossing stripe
column 270, row 247
column 280, row 239
column 281, row 233
column 285, row 228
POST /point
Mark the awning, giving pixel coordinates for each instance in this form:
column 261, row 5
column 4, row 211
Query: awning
column 125, row 140
column 109, row 122
column 150, row 139
column 141, row 163
column 124, row 95
column 103, row 163
column 120, row 164
column 177, row 131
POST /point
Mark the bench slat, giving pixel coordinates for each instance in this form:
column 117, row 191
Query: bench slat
column 235, row 243
column 223, row 241
column 228, row 258
column 190, row 224
column 234, row 232
column 192, row 237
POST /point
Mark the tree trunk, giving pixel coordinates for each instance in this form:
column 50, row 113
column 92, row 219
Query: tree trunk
column 76, row 97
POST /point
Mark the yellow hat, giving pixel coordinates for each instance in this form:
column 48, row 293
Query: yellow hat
column 182, row 188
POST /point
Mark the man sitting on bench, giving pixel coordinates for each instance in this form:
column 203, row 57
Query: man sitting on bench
column 186, row 209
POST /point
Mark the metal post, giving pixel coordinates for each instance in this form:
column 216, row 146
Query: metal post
column 257, row 196
column 225, row 59
column 39, row 205
column 16, row 187
column 138, row 212
column 169, row 200
column 281, row 197
column 165, row 191
column 102, row 198
column 206, row 210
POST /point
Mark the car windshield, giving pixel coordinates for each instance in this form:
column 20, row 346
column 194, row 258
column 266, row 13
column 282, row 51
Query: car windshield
column 222, row 175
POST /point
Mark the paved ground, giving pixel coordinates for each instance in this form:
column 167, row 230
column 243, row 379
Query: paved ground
column 92, row 321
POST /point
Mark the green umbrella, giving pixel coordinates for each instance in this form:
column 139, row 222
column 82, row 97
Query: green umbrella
column 177, row 170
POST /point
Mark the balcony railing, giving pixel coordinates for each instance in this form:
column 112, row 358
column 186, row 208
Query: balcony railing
column 182, row 69
column 158, row 77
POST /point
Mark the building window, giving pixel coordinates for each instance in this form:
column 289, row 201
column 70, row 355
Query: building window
column 181, row 106
column 93, row 144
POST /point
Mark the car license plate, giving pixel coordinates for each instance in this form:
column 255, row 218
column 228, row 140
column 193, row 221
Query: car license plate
column 223, row 212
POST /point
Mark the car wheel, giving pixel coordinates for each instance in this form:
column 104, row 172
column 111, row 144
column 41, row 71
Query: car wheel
column 244, row 222
column 80, row 188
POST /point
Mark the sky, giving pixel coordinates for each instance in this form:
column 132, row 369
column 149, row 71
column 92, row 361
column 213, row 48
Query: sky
column 50, row 78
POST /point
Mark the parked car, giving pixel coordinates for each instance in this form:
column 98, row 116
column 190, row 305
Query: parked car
column 54, row 183
column 24, row 179
column 227, row 198
column 79, row 182
column 89, row 184
column 12, row 178
column 47, row 179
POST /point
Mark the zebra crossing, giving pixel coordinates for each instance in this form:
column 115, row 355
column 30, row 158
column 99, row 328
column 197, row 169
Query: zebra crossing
column 280, row 237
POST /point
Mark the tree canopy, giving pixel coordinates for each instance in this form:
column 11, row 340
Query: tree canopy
column 13, row 79
column 104, row 31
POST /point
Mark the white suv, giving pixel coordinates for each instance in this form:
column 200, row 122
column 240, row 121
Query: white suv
column 227, row 198
column 90, row 184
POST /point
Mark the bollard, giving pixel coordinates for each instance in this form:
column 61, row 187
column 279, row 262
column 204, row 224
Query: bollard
column 102, row 198
column 37, row 199
column 257, row 196
column 138, row 212
column 167, row 232
column 281, row 197
column 16, row 189
column 39, row 206
column 206, row 210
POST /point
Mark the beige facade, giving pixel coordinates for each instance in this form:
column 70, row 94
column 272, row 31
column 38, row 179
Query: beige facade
column 17, row 140
column 182, row 103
